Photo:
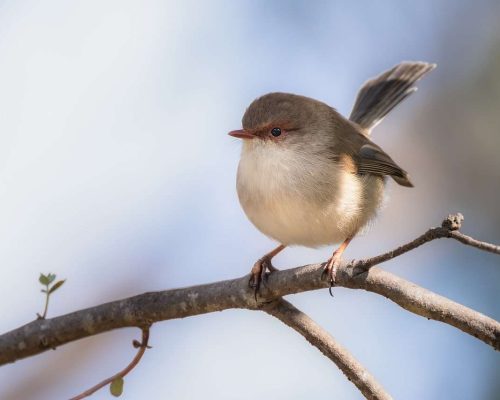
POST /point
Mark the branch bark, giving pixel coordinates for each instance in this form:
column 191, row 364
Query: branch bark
column 321, row 339
column 145, row 309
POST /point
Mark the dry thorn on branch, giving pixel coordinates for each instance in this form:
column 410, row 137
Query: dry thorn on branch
column 142, row 346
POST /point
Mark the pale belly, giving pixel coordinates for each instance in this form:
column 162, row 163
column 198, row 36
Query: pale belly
column 295, row 206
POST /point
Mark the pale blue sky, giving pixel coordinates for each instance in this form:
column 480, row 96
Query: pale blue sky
column 116, row 173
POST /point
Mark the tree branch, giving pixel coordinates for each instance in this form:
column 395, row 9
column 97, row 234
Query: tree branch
column 321, row 339
column 145, row 309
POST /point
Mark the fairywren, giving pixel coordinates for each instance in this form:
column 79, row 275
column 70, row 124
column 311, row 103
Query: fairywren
column 308, row 176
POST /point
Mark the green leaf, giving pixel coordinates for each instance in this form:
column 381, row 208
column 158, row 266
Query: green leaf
column 44, row 280
column 116, row 387
column 51, row 277
column 56, row 286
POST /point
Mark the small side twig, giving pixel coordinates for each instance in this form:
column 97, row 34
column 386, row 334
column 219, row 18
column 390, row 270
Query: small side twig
column 46, row 307
column 120, row 375
column 449, row 229
column 46, row 281
column 321, row 339
column 492, row 248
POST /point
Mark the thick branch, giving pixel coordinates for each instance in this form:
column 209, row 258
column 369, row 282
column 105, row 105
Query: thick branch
column 143, row 310
column 321, row 339
column 408, row 295
column 41, row 335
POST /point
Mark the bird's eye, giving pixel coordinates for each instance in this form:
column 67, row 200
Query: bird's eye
column 276, row 132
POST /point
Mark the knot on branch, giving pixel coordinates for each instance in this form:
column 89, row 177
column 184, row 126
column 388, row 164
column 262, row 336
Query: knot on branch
column 453, row 222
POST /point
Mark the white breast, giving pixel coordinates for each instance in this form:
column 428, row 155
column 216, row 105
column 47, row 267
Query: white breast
column 303, row 200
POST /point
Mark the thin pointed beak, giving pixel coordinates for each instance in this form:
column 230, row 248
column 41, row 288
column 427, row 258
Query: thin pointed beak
column 242, row 134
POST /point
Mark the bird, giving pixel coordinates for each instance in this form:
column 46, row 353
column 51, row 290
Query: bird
column 308, row 176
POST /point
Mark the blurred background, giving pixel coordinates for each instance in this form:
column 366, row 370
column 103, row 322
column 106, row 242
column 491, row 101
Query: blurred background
column 116, row 173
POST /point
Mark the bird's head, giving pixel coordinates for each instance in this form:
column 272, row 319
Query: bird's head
column 285, row 119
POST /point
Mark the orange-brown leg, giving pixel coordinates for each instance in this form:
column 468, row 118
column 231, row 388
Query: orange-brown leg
column 259, row 269
column 333, row 263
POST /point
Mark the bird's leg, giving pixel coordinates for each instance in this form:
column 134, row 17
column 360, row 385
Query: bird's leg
column 259, row 269
column 333, row 263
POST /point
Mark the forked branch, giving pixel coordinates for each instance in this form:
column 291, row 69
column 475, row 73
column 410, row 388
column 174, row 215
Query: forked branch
column 145, row 309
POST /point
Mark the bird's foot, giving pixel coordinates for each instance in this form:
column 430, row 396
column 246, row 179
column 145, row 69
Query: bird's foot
column 330, row 271
column 259, row 274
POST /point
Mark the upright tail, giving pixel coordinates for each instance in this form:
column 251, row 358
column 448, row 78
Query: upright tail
column 380, row 95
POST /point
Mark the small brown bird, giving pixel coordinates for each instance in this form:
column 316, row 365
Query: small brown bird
column 308, row 176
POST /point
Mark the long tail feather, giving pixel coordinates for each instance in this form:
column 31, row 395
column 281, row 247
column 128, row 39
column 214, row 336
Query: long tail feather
column 380, row 95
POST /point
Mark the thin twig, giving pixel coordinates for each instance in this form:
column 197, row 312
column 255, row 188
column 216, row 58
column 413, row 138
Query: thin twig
column 142, row 348
column 46, row 309
column 449, row 229
column 492, row 248
column 321, row 339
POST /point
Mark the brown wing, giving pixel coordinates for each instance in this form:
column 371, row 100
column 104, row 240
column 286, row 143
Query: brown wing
column 367, row 157
column 373, row 160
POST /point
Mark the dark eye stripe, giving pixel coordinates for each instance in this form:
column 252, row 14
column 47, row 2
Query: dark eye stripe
column 276, row 132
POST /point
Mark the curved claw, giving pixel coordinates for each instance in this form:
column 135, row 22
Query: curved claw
column 259, row 274
column 334, row 262
column 330, row 271
column 254, row 283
